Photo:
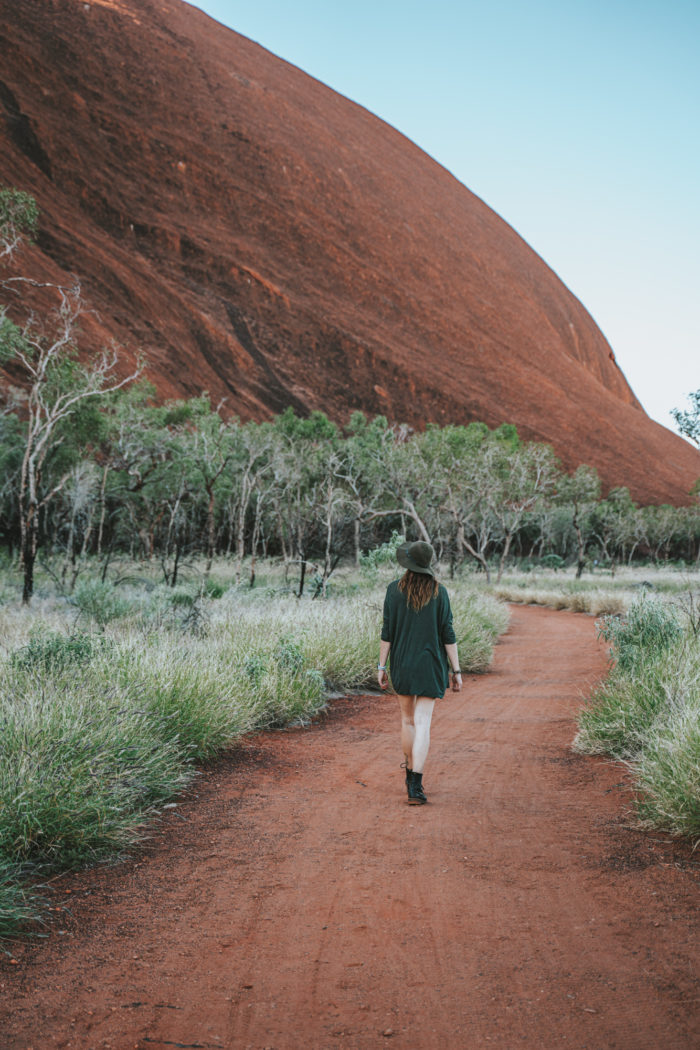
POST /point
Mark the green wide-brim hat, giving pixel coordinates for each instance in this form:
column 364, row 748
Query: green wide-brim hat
column 416, row 556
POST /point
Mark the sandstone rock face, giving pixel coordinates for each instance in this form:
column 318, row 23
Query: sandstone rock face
column 265, row 239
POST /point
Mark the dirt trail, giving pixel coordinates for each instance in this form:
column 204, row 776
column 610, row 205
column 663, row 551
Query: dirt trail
column 303, row 904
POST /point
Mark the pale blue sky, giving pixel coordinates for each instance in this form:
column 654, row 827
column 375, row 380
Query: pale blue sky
column 576, row 120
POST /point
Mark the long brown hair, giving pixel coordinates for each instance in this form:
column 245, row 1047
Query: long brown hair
column 419, row 588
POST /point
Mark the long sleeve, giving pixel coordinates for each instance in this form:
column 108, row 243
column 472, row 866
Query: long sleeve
column 447, row 631
column 387, row 626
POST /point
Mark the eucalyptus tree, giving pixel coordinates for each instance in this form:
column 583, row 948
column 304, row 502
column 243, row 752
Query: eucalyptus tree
column 688, row 421
column 10, row 463
column 664, row 528
column 405, row 481
column 362, row 468
column 57, row 389
column 145, row 488
column 579, row 492
column 246, row 483
column 613, row 524
column 468, row 470
column 302, row 464
column 78, row 502
column 19, row 220
column 522, row 478
column 56, row 386
column 206, row 446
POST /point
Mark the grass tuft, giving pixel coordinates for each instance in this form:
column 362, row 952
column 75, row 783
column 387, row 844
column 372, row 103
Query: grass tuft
column 647, row 713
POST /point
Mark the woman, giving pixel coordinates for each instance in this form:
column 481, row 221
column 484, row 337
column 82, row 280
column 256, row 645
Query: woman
column 417, row 630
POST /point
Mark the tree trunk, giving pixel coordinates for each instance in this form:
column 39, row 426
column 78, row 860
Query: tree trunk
column 255, row 539
column 28, row 591
column 480, row 557
column 329, row 543
column 581, row 551
column 240, row 541
column 210, row 534
column 103, row 508
column 504, row 555
column 413, row 514
column 28, row 522
column 176, row 562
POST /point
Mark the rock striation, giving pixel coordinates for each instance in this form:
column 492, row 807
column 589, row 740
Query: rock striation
column 263, row 238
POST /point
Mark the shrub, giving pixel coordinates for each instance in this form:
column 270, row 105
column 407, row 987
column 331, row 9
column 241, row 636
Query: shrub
column 385, row 554
column 99, row 602
column 51, row 652
column 648, row 629
column 213, row 589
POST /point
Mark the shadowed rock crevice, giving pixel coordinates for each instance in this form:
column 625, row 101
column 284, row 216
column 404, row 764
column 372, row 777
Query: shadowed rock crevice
column 22, row 132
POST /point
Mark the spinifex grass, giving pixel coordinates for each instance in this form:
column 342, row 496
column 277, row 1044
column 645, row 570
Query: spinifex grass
column 598, row 593
column 19, row 905
column 647, row 713
column 98, row 730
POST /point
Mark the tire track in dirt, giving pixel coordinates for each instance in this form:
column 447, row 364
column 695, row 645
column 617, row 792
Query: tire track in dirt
column 302, row 903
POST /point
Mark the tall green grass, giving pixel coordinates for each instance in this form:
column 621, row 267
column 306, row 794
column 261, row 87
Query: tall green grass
column 647, row 712
column 105, row 713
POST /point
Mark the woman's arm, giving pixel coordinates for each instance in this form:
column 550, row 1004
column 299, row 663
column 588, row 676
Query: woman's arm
column 453, row 660
column 382, row 676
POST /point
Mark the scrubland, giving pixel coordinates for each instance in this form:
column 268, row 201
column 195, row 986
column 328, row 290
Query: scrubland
column 647, row 711
column 599, row 592
column 111, row 697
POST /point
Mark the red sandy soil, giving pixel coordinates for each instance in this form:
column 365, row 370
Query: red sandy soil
column 302, row 903
column 263, row 238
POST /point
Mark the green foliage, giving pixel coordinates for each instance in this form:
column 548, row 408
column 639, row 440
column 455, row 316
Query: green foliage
column 289, row 655
column 315, row 428
column 19, row 906
column 647, row 712
column 688, row 422
column 648, row 629
column 384, row 554
column 552, row 561
column 507, row 435
column 99, row 602
column 51, row 652
column 213, row 589
column 12, row 339
column 19, row 214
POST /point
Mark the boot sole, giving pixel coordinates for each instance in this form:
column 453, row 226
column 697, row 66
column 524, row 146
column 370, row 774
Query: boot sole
column 417, row 801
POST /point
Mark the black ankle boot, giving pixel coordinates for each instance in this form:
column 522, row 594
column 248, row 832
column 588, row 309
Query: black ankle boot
column 416, row 795
column 404, row 765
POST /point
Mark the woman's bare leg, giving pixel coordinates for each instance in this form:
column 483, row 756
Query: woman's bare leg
column 408, row 732
column 422, row 716
column 416, row 716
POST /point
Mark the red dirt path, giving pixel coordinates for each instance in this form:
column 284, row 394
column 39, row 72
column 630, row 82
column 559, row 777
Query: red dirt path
column 302, row 903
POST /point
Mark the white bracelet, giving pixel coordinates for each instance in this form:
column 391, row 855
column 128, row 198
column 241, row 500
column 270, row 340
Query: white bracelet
column 381, row 667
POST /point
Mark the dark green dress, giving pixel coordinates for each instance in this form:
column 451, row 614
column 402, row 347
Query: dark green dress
column 417, row 656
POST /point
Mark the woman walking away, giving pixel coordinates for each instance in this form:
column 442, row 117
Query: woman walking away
column 417, row 631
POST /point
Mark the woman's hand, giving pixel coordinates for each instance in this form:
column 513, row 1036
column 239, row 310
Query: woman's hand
column 383, row 679
column 456, row 677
